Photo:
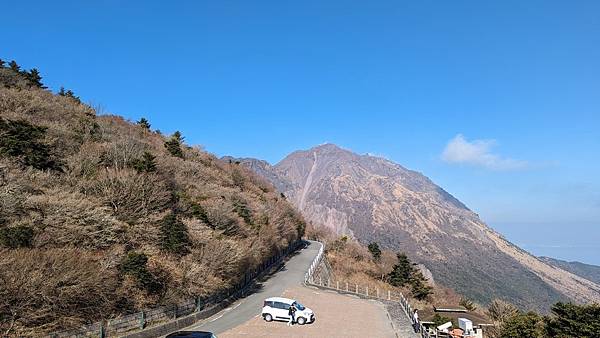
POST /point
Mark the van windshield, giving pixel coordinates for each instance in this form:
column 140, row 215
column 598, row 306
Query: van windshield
column 299, row 306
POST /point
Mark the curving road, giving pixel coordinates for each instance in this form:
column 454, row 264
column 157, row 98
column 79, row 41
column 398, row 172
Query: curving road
column 292, row 274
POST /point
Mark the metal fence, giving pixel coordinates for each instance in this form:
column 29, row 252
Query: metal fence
column 311, row 278
column 147, row 318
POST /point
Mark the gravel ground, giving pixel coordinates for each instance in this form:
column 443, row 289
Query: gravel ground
column 336, row 316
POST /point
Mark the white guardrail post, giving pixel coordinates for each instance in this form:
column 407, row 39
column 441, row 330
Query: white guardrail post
column 308, row 277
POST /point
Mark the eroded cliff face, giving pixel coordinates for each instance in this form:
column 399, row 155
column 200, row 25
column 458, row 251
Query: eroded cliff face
column 374, row 199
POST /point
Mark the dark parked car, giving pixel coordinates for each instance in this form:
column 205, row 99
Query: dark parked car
column 191, row 334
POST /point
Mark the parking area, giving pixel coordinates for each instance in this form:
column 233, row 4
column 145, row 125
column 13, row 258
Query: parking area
column 336, row 316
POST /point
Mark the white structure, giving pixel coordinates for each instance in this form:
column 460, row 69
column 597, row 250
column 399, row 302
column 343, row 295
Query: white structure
column 276, row 308
column 444, row 327
column 465, row 324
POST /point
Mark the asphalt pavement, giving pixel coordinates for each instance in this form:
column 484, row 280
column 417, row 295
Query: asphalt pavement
column 290, row 275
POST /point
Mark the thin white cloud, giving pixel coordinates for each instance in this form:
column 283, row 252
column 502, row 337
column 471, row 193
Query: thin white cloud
column 478, row 153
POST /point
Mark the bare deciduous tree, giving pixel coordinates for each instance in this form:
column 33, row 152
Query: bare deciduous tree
column 69, row 219
column 46, row 290
column 129, row 194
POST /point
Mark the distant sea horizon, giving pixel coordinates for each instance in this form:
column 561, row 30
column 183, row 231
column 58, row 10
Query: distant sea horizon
column 580, row 244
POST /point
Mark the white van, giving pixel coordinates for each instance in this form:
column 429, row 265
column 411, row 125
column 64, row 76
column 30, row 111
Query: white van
column 276, row 308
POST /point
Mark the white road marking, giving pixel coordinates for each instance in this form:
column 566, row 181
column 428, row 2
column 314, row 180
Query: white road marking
column 223, row 312
column 212, row 320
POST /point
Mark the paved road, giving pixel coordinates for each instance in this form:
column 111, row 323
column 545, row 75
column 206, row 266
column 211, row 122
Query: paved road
column 292, row 274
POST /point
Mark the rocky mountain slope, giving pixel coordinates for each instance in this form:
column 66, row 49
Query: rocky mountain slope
column 373, row 199
column 587, row 271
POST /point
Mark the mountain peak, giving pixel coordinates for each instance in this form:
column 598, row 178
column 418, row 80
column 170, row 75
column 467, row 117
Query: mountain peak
column 374, row 199
column 328, row 148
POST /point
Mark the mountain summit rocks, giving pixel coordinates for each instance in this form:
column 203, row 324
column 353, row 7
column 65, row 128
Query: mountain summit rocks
column 374, row 199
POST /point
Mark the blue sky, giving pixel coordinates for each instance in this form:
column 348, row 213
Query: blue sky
column 496, row 101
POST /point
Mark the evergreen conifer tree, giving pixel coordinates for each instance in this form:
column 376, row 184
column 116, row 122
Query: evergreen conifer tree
column 199, row 212
column 14, row 66
column 241, row 208
column 72, row 95
column 404, row 273
column 146, row 163
column 2, row 63
column 419, row 287
column 375, row 251
column 68, row 93
column 24, row 141
column 135, row 264
column 144, row 123
column 573, row 320
column 401, row 272
column 173, row 145
column 35, row 78
column 174, row 235
column 177, row 135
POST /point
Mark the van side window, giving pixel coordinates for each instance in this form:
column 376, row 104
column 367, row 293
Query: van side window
column 282, row 306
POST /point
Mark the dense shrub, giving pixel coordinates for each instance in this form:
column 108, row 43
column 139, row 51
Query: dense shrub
column 122, row 153
column 528, row 324
column 467, row 304
column 440, row 320
column 12, row 199
column 222, row 217
column 500, row 310
column 241, row 208
column 135, row 265
column 16, row 237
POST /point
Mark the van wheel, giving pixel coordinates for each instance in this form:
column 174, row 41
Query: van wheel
column 268, row 317
column 301, row 320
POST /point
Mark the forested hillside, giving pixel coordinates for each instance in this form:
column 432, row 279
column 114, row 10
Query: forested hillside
column 100, row 216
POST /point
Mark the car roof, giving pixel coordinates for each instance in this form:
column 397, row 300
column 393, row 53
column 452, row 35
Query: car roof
column 280, row 299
